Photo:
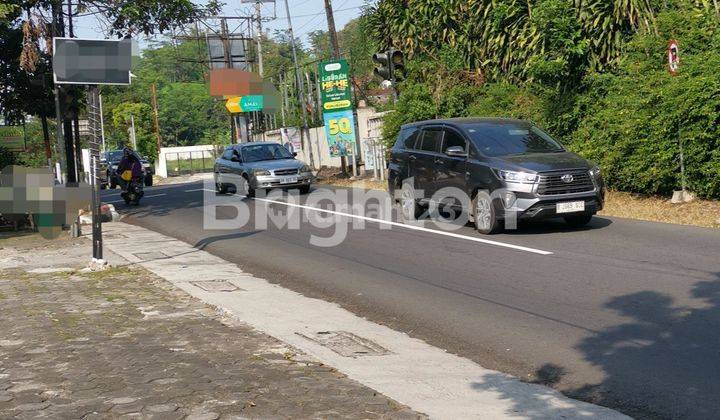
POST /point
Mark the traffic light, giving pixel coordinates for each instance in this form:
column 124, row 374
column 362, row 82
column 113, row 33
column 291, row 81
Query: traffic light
column 383, row 67
column 397, row 62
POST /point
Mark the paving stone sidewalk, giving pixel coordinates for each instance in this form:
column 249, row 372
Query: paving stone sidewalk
column 124, row 343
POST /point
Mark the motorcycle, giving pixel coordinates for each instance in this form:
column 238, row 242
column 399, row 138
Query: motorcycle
column 134, row 191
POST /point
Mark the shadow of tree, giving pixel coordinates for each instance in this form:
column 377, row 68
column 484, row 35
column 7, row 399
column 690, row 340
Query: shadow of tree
column 663, row 363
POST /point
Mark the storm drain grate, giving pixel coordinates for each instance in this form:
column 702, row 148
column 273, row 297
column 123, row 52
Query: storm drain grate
column 153, row 255
column 347, row 344
column 216, row 286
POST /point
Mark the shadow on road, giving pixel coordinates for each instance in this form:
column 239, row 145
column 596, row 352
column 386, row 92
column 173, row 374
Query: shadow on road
column 556, row 226
column 664, row 362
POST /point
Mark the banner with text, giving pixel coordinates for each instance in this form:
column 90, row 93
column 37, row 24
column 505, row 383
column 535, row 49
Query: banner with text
column 336, row 98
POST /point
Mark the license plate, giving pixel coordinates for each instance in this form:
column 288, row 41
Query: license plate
column 289, row 180
column 570, row 207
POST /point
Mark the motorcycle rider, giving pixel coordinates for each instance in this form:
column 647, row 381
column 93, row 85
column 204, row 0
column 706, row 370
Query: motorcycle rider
column 132, row 164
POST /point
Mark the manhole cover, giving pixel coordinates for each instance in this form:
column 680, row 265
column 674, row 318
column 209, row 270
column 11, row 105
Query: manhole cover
column 347, row 344
column 154, row 255
column 216, row 286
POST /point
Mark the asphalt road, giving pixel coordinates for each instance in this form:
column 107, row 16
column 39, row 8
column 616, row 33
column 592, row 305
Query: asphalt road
column 622, row 313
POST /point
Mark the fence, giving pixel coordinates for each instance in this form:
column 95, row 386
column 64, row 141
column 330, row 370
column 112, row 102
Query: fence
column 175, row 161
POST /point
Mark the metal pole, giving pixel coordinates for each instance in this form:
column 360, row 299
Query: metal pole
column 299, row 81
column 258, row 8
column 132, row 136
column 102, row 124
column 375, row 159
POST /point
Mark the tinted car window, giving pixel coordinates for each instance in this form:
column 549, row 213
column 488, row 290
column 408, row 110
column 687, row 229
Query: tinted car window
column 431, row 139
column 502, row 139
column 452, row 138
column 265, row 152
column 407, row 138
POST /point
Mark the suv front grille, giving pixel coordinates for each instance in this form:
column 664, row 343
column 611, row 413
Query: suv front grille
column 286, row 172
column 552, row 183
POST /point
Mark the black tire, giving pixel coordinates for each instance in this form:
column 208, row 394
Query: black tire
column 148, row 180
column 113, row 185
column 305, row 189
column 250, row 191
column 220, row 188
column 485, row 214
column 410, row 209
column 579, row 220
column 103, row 186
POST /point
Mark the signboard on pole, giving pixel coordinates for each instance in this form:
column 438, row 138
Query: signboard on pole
column 340, row 132
column 12, row 138
column 335, row 93
column 92, row 61
column 249, row 103
column 336, row 98
column 673, row 57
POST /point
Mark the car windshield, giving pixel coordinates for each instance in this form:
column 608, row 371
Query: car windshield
column 113, row 156
column 503, row 139
column 265, row 152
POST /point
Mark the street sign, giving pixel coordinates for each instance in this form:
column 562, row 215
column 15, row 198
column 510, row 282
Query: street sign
column 673, row 57
column 335, row 93
column 12, row 138
column 340, row 132
column 249, row 103
column 92, row 61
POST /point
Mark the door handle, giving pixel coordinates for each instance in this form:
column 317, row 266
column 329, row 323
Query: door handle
column 412, row 157
column 439, row 161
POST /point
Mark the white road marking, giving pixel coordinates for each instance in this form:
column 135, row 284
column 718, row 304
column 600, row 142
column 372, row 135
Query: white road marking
column 198, row 189
column 403, row 225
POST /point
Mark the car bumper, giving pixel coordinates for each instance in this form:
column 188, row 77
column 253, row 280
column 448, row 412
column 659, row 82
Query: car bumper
column 544, row 207
column 273, row 181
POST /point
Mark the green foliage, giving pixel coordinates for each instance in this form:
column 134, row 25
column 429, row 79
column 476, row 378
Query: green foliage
column 624, row 111
column 122, row 122
column 636, row 117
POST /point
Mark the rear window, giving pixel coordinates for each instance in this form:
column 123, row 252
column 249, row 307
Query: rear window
column 407, row 138
column 503, row 139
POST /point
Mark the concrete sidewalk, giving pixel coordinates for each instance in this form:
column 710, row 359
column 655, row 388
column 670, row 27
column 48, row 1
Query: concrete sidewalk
column 425, row 378
column 124, row 343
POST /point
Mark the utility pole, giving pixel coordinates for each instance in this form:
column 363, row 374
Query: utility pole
column 132, row 132
column 336, row 55
column 102, row 124
column 331, row 29
column 153, row 97
column 299, row 88
column 258, row 16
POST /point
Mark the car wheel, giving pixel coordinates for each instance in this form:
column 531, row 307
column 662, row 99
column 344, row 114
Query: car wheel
column 148, row 180
column 305, row 189
column 486, row 220
column 103, row 186
column 220, row 188
column 410, row 209
column 113, row 184
column 246, row 188
column 578, row 220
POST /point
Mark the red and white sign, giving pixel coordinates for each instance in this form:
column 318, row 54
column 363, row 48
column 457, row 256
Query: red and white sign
column 673, row 57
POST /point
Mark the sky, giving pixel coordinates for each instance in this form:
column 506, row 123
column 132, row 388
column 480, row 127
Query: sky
column 306, row 15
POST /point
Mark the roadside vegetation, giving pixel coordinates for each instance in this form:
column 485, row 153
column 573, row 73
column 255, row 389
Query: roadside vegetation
column 593, row 74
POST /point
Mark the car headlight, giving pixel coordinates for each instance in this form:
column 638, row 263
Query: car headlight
column 305, row 168
column 261, row 172
column 595, row 171
column 520, row 177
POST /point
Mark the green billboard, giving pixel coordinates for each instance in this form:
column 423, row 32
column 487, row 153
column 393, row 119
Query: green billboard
column 335, row 92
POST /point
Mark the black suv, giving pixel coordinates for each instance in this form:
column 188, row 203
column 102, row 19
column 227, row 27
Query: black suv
column 492, row 168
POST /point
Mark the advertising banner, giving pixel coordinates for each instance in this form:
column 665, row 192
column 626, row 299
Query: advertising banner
column 336, row 98
column 340, row 132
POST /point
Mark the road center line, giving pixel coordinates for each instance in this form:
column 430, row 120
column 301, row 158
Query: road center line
column 402, row 225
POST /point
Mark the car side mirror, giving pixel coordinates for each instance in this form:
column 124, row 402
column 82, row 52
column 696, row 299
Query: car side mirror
column 456, row 151
column 235, row 158
column 294, row 154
